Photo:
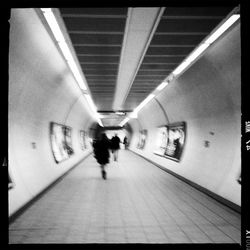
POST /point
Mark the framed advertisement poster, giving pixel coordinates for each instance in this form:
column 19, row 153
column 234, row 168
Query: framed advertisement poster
column 161, row 140
column 142, row 138
column 170, row 140
column 83, row 137
column 61, row 144
column 68, row 140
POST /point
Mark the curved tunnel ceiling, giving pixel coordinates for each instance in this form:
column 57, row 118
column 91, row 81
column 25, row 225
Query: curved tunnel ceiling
column 101, row 36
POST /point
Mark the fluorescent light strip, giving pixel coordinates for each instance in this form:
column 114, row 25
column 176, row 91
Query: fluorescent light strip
column 93, row 107
column 180, row 68
column 77, row 75
column 124, row 121
column 162, row 85
column 223, row 28
column 119, row 113
column 143, row 103
column 70, row 60
column 133, row 115
column 65, row 50
column 91, row 103
column 199, row 50
column 190, row 59
column 137, row 109
column 100, row 122
column 50, row 18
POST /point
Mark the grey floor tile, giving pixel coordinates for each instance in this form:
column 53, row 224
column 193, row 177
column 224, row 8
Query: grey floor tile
column 178, row 238
column 232, row 232
column 16, row 239
column 153, row 230
column 137, row 240
column 196, row 235
column 216, row 235
column 138, row 203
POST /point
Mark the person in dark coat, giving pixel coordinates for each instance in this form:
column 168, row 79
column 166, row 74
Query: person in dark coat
column 125, row 142
column 115, row 146
column 101, row 152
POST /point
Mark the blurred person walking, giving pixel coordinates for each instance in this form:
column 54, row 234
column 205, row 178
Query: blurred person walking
column 125, row 142
column 115, row 146
column 101, row 152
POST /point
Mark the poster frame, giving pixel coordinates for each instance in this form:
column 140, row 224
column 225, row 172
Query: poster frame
column 141, row 143
column 169, row 127
column 64, row 128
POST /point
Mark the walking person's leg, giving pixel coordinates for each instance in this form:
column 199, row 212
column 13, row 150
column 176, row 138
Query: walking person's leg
column 103, row 171
column 117, row 154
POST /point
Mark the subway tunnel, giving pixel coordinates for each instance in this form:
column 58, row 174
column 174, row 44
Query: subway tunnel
column 165, row 78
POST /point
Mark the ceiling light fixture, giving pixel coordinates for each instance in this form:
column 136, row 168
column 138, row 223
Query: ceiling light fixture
column 205, row 44
column 124, row 121
column 120, row 113
column 137, row 109
column 143, row 103
column 194, row 55
column 51, row 20
column 93, row 108
column 229, row 22
column 162, row 85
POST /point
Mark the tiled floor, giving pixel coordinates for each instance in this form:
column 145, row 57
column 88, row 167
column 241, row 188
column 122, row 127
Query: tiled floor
column 138, row 203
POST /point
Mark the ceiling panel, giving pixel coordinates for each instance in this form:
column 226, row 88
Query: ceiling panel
column 208, row 11
column 101, row 83
column 79, row 38
column 101, row 77
column 166, row 49
column 179, row 31
column 96, row 24
column 109, row 121
column 155, row 77
column 164, row 66
column 177, row 39
column 97, row 49
column 94, row 11
column 97, row 66
column 160, row 59
column 151, row 72
column 186, row 25
column 97, row 59
column 100, row 72
column 97, row 36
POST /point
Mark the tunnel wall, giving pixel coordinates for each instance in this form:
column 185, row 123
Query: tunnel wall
column 41, row 90
column 207, row 97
